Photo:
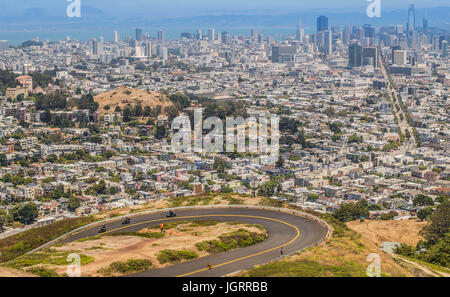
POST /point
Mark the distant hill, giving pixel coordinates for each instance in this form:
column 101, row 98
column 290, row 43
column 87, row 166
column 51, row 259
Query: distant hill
column 123, row 96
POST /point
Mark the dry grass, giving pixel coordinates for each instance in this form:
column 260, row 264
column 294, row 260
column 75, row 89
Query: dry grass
column 123, row 96
column 393, row 231
column 344, row 255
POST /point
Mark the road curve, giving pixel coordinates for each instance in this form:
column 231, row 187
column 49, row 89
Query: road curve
column 285, row 230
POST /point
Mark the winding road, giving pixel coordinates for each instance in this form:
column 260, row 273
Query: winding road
column 292, row 232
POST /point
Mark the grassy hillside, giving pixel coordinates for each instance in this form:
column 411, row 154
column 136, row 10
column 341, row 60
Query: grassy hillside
column 343, row 255
column 17, row 245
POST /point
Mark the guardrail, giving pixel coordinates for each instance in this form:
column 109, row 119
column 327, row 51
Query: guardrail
column 275, row 209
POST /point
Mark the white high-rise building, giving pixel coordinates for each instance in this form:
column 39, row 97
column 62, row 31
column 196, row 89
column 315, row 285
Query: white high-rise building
column 116, row 36
column 399, row 57
column 211, row 34
column 300, row 34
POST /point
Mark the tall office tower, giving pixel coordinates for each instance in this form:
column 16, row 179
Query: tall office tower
column 327, row 43
column 370, row 56
column 300, row 34
column 260, row 37
column 369, row 32
column 100, row 44
column 435, row 43
column 355, row 55
column 116, row 36
column 347, row 34
column 219, row 37
column 94, row 47
column 322, row 23
column 161, row 35
column 411, row 25
column 211, row 34
column 225, row 37
column 399, row 57
column 320, row 40
column 444, row 49
column 425, row 25
column 199, row 34
column 4, row 45
column 139, row 34
column 148, row 48
column 254, row 33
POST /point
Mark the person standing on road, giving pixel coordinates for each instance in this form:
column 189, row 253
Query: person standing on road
column 162, row 228
column 281, row 252
column 209, row 266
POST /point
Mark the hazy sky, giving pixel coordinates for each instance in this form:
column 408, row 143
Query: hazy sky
column 176, row 8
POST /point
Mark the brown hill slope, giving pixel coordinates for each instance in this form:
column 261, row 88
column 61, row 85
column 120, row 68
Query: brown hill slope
column 123, row 96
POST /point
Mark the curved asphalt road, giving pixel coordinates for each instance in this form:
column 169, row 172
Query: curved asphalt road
column 285, row 230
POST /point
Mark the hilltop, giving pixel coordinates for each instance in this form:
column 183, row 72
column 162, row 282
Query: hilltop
column 123, row 96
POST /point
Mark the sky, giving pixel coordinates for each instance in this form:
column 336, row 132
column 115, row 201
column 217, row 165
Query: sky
column 186, row 8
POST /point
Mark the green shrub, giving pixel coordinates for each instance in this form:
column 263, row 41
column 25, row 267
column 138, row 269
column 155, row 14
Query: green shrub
column 43, row 272
column 172, row 256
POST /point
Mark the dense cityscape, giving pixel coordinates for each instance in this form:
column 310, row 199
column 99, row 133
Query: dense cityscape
column 85, row 126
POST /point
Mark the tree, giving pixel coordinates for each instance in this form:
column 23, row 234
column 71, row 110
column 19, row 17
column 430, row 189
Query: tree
column 160, row 132
column 424, row 213
column 28, row 213
column 87, row 102
column 423, row 200
column 439, row 253
column 73, row 204
column 352, row 211
column 405, row 250
column 280, row 162
column 440, row 223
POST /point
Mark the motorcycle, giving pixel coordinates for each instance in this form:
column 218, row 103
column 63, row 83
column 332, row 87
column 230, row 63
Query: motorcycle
column 126, row 221
column 171, row 214
column 102, row 229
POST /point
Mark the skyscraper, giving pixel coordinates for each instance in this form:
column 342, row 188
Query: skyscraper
column 444, row 49
column 161, row 35
column 139, row 34
column 199, row 34
column 322, row 23
column 211, row 34
column 370, row 56
column 355, row 55
column 300, row 34
column 116, row 36
column 327, row 43
column 411, row 25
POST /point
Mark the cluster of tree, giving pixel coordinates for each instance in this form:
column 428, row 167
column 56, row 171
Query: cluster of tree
column 87, row 102
column 7, row 80
column 29, row 43
column 288, row 125
column 423, row 200
column 56, row 100
column 24, row 213
column 436, row 248
column 352, row 211
column 41, row 79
